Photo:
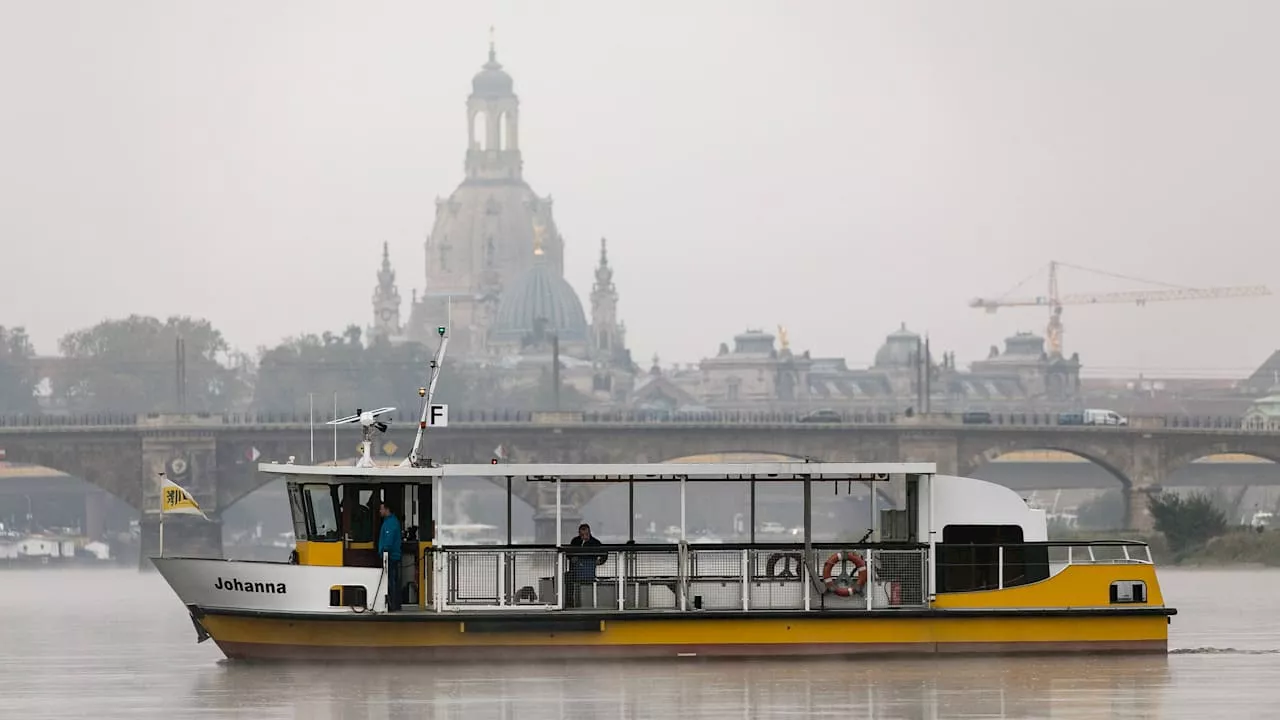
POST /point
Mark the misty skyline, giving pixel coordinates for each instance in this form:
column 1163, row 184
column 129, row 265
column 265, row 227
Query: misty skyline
column 834, row 167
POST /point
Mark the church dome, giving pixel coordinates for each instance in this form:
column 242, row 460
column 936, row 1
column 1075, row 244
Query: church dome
column 899, row 349
column 540, row 293
column 492, row 80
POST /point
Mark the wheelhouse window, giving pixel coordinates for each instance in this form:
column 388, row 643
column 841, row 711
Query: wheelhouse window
column 322, row 512
column 359, row 504
column 298, row 510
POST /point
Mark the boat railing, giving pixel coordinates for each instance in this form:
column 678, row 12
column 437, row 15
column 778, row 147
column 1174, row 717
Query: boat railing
column 681, row 577
column 970, row 567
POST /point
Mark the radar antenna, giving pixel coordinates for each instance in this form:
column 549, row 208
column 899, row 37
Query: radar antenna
column 369, row 422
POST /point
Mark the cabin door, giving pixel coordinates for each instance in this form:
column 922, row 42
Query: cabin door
column 360, row 523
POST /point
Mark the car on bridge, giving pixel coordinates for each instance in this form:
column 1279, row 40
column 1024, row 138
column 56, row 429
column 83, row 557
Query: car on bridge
column 825, row 415
column 1093, row 417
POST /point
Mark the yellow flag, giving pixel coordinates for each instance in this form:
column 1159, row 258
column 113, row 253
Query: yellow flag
column 176, row 501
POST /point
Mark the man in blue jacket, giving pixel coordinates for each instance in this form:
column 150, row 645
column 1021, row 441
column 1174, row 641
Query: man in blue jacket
column 389, row 543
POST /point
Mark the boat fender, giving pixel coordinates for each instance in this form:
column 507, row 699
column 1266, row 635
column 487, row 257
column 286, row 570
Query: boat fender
column 790, row 565
column 843, row 584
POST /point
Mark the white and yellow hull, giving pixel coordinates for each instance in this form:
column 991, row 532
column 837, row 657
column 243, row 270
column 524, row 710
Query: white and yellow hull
column 429, row 637
column 1069, row 612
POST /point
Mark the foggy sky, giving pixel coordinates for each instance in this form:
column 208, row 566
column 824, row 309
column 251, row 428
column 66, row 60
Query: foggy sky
column 836, row 167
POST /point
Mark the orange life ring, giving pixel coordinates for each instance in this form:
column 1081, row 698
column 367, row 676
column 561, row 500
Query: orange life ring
column 842, row 584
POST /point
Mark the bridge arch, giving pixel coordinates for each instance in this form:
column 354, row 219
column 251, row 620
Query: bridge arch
column 1076, row 491
column 1179, row 455
column 1241, row 483
column 103, row 462
column 976, row 457
column 53, row 498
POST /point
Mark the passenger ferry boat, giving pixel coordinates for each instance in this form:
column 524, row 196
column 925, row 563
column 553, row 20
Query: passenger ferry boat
column 958, row 565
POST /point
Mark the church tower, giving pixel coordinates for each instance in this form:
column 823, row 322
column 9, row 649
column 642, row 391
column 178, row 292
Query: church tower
column 386, row 302
column 481, row 243
column 608, row 342
column 606, row 333
column 493, row 119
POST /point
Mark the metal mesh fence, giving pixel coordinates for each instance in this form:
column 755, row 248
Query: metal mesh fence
column 501, row 577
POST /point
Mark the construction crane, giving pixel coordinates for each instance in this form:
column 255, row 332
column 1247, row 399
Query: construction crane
column 1055, row 302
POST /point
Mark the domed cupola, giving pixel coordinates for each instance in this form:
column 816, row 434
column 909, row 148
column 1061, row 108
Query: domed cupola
column 899, row 349
column 539, row 296
column 492, row 80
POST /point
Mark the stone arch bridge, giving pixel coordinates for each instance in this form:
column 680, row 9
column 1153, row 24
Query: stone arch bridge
column 217, row 461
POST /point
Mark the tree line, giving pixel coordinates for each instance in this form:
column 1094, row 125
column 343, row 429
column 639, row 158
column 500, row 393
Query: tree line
column 131, row 365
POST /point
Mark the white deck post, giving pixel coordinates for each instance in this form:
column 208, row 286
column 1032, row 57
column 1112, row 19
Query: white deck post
column 441, row 560
column 621, row 571
column 933, row 548
column 558, row 514
column 683, row 568
column 682, row 575
column 559, row 552
column 559, row 580
column 806, row 580
column 1000, row 568
column 441, row 569
column 871, row 580
column 746, row 580
column 875, row 525
column 502, row 578
column 683, row 486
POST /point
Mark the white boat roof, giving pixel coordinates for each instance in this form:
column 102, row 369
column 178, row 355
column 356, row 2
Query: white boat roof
column 614, row 472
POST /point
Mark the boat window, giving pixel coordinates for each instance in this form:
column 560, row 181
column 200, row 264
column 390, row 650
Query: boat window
column 969, row 558
column 322, row 512
column 298, row 510
column 1128, row 591
column 359, row 512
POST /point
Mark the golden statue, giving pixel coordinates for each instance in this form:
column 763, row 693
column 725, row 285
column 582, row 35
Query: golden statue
column 782, row 338
column 539, row 231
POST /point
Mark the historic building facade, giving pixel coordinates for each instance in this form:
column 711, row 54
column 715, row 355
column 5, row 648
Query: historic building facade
column 760, row 372
column 494, row 269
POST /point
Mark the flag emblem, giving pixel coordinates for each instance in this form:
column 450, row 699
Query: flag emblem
column 174, row 500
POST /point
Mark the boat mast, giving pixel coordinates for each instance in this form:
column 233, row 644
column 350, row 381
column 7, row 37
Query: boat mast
column 415, row 454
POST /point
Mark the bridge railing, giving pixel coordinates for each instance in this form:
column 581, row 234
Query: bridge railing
column 857, row 418
column 680, row 578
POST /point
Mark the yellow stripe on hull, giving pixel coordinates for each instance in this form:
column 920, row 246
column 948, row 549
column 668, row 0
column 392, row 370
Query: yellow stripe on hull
column 1074, row 587
column 427, row 637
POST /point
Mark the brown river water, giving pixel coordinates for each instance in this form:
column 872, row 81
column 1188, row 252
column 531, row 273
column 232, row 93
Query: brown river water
column 118, row 644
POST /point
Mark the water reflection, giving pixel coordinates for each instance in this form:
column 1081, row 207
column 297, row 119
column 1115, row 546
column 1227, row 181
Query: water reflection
column 906, row 689
column 118, row 645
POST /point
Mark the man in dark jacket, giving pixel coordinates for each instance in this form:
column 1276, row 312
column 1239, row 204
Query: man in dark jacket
column 582, row 566
column 389, row 540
